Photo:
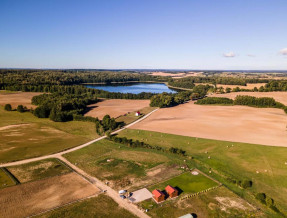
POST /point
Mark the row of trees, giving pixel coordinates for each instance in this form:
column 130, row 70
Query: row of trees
column 168, row 100
column 269, row 202
column 215, row 100
column 264, row 102
column 20, row 108
column 137, row 144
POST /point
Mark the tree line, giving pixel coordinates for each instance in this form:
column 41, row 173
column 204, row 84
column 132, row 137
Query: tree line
column 262, row 102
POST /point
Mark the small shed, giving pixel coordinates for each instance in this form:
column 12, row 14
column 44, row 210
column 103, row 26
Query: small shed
column 158, row 196
column 171, row 191
column 138, row 113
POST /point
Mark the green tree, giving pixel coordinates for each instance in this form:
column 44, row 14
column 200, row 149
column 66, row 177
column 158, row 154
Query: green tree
column 8, row 107
column 20, row 108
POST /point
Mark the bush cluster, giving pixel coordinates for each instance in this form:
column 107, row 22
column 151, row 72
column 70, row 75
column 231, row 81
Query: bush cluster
column 134, row 144
column 269, row 202
column 215, row 100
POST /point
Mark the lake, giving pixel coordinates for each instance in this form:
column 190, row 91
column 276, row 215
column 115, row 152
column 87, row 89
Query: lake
column 135, row 88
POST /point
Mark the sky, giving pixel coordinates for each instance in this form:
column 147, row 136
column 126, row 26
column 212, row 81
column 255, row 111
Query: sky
column 144, row 34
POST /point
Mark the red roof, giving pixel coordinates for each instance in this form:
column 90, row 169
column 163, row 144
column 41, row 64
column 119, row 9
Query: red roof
column 170, row 189
column 157, row 193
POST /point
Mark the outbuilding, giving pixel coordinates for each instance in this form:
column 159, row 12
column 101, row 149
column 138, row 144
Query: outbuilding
column 138, row 113
column 158, row 196
column 171, row 191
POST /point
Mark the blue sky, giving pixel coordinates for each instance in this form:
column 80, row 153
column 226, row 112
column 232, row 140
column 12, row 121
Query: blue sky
column 178, row 34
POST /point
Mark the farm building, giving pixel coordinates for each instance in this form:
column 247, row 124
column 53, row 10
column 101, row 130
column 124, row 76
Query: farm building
column 171, row 191
column 158, row 196
column 138, row 113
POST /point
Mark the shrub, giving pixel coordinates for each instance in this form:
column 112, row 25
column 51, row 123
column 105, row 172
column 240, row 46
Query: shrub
column 269, row 202
column 246, row 184
column 20, row 108
column 261, row 197
column 8, row 107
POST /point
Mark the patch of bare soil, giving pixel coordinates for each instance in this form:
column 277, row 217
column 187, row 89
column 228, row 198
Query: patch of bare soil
column 266, row 126
column 115, row 107
column 235, row 203
column 35, row 197
column 17, row 98
column 14, row 126
column 278, row 96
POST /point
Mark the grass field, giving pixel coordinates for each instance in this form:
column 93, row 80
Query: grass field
column 131, row 117
column 39, row 170
column 100, row 206
column 264, row 165
column 123, row 166
column 5, row 180
column 187, row 183
column 219, row 202
column 24, row 136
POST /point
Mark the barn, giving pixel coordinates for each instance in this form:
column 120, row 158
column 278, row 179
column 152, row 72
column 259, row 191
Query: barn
column 158, row 196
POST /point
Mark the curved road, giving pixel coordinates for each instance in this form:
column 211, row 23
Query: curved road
column 111, row 192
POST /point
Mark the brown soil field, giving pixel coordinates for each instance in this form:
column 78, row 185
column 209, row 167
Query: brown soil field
column 36, row 197
column 266, row 126
column 17, row 98
column 248, row 86
column 115, row 107
column 278, row 96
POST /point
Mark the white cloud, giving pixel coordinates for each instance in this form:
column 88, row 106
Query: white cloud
column 251, row 55
column 229, row 55
column 283, row 51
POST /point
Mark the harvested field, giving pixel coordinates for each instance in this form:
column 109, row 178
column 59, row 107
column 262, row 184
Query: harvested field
column 17, row 98
column 265, row 126
column 248, row 86
column 278, row 96
column 115, row 107
column 39, row 170
column 35, row 197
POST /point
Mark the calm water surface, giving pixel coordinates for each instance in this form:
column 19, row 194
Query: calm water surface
column 135, row 88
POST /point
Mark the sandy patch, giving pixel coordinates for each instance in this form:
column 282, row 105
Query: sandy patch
column 13, row 126
column 115, row 107
column 226, row 203
column 18, row 98
column 35, row 197
column 266, row 126
column 278, row 96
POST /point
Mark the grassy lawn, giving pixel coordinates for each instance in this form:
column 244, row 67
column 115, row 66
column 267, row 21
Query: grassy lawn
column 5, row 180
column 264, row 165
column 38, row 137
column 219, row 202
column 187, row 183
column 39, row 170
column 121, row 165
column 101, row 206
column 131, row 117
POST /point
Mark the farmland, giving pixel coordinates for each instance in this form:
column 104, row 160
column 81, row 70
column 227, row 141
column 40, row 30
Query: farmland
column 17, row 98
column 265, row 165
column 5, row 179
column 115, row 107
column 266, row 126
column 35, row 197
column 38, row 170
column 124, row 167
column 100, row 206
column 25, row 136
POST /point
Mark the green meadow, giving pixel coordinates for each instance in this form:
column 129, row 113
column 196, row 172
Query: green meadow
column 264, row 165
column 32, row 137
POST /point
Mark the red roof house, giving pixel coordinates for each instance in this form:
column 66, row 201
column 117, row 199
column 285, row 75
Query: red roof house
column 171, row 191
column 158, row 196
